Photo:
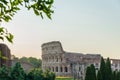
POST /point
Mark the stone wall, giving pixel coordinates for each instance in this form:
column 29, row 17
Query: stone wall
column 65, row 63
column 70, row 64
column 5, row 53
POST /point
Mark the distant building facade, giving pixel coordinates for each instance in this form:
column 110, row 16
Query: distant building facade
column 25, row 65
column 69, row 64
column 5, row 55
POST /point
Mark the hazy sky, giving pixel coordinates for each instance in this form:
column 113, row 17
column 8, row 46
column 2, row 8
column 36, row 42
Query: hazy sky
column 85, row 26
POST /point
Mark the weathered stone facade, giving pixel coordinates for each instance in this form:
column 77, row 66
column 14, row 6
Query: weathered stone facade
column 69, row 64
column 5, row 57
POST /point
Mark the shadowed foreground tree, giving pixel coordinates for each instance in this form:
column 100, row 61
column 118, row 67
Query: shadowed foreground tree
column 104, row 73
column 17, row 72
column 102, row 68
column 38, row 74
column 4, row 73
column 108, row 72
column 99, row 75
column 118, row 76
column 90, row 73
column 114, row 75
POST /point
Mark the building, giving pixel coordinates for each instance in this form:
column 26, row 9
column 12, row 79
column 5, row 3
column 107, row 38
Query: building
column 5, row 55
column 69, row 64
column 27, row 67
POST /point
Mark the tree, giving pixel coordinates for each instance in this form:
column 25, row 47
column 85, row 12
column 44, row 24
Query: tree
column 102, row 68
column 23, row 59
column 17, row 72
column 48, row 75
column 108, row 72
column 93, row 72
column 4, row 73
column 8, row 8
column 99, row 75
column 34, row 61
column 114, row 75
column 88, row 73
column 35, row 74
column 118, row 76
column 38, row 74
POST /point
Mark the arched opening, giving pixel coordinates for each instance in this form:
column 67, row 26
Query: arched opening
column 56, row 69
column 66, row 69
column 53, row 69
column 61, row 69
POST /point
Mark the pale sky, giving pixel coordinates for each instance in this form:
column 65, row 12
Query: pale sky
column 84, row 26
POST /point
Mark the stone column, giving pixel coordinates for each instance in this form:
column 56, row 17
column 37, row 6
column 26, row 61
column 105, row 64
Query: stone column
column 69, row 69
column 47, row 58
column 58, row 68
column 63, row 68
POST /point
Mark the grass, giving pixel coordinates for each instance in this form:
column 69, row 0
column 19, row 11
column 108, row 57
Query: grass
column 63, row 78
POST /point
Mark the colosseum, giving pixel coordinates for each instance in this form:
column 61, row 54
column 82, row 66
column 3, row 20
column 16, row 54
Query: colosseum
column 69, row 64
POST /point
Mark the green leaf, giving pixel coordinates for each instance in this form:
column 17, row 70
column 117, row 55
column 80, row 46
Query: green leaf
column 1, row 38
column 6, row 18
column 1, row 5
column 10, row 37
column 16, row 8
column 4, row 1
column 36, row 12
column 41, row 15
column 1, row 29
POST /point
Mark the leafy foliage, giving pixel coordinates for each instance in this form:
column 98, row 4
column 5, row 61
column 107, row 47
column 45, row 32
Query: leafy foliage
column 4, row 34
column 90, row 73
column 17, row 73
column 35, row 74
column 104, row 73
column 4, row 73
column 99, row 75
column 34, row 61
column 108, row 72
column 8, row 8
column 102, row 68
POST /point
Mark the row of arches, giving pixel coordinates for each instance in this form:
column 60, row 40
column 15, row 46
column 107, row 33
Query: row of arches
column 52, row 59
column 58, row 69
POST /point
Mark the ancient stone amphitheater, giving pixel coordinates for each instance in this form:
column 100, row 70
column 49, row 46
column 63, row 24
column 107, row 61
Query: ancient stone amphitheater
column 69, row 64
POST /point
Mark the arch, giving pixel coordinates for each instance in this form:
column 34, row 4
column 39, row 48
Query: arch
column 52, row 58
column 66, row 69
column 56, row 69
column 53, row 69
column 61, row 69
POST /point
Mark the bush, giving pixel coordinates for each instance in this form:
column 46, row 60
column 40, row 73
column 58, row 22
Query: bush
column 18, row 73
